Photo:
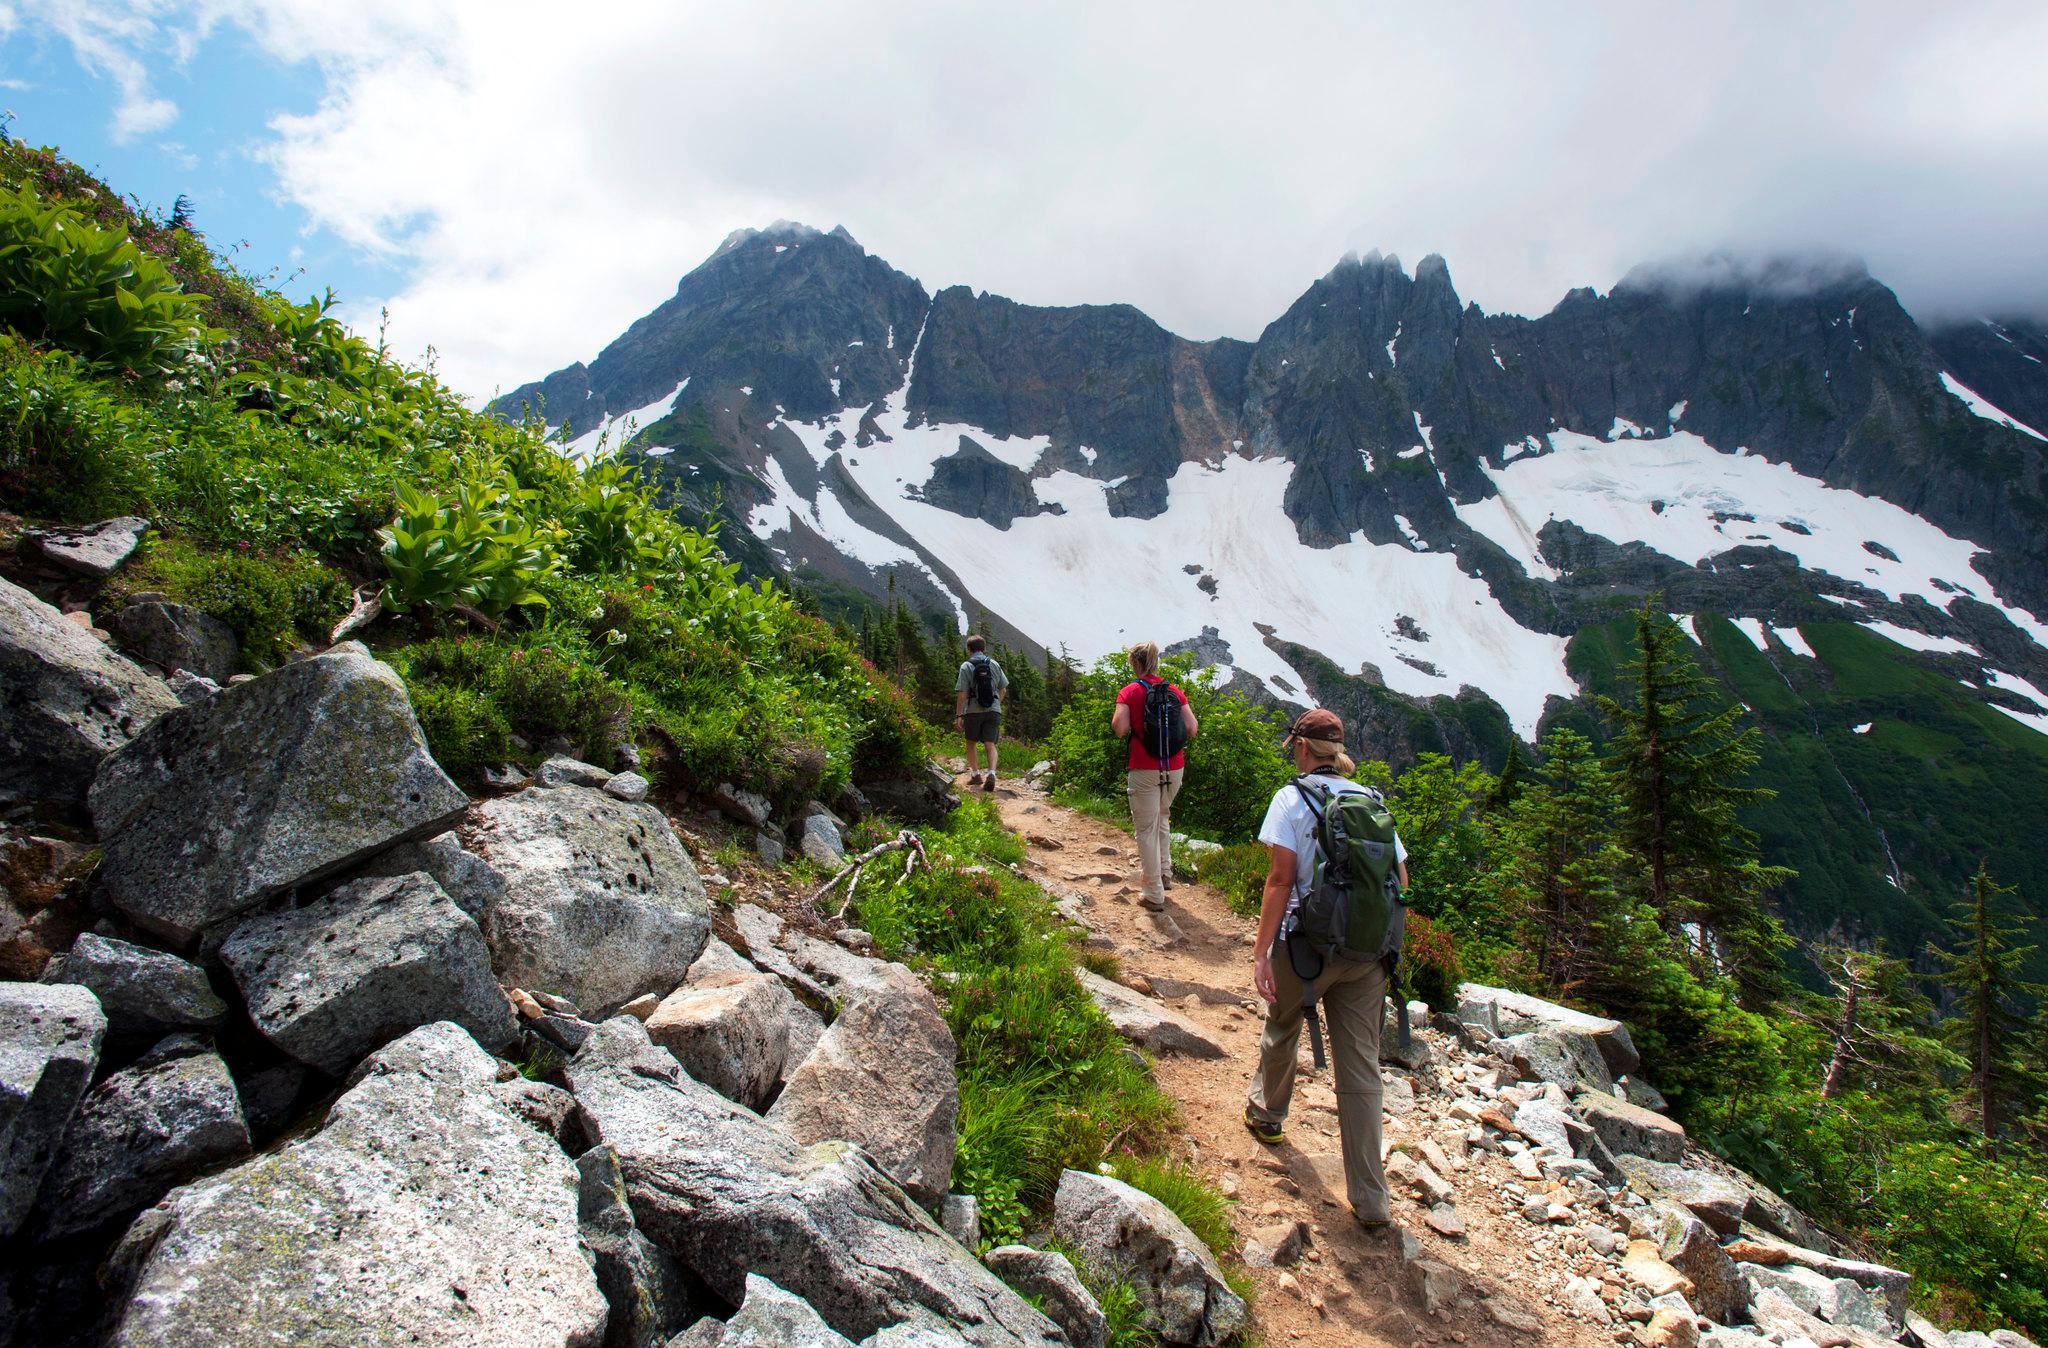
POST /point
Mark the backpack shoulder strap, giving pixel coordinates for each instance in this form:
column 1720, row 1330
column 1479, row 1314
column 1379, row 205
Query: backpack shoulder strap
column 1315, row 793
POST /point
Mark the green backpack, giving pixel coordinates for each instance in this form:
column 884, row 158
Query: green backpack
column 1352, row 909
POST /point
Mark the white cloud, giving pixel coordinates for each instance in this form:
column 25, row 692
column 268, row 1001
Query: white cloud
column 108, row 40
column 544, row 174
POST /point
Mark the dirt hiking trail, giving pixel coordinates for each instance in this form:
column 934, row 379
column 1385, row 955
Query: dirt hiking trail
column 1499, row 1283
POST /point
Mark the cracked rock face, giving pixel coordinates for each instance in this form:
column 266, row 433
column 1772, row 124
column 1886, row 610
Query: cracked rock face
column 882, row 1078
column 287, row 778
column 425, row 1211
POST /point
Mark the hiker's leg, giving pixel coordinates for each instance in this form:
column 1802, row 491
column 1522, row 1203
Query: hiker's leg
column 1144, row 791
column 1163, row 830
column 1353, row 1007
column 973, row 752
column 1279, row 1046
column 991, row 736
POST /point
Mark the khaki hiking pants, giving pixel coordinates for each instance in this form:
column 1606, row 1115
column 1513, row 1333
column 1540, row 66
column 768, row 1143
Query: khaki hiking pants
column 1351, row 1000
column 1151, row 797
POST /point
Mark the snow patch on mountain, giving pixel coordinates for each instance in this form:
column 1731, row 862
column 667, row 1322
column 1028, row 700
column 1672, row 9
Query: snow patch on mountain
column 1919, row 641
column 1984, row 407
column 1681, row 496
column 615, row 431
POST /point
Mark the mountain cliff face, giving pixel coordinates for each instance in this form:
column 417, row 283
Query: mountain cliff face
column 1396, row 502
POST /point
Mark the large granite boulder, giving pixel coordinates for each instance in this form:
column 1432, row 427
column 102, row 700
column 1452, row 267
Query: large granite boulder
column 1569, row 1062
column 50, row 1038
column 66, row 701
column 641, row 1283
column 1137, row 1237
column 424, row 1211
column 273, row 783
column 141, row 1131
column 1631, row 1129
column 729, row 1031
column 347, row 973
column 462, row 875
column 730, row 1195
column 92, row 549
column 1504, row 1013
column 1716, row 1200
column 601, row 903
column 1839, row 1301
column 882, row 1078
column 145, row 993
column 1048, row 1277
column 177, row 636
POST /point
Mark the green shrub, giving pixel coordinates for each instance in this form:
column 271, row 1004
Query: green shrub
column 65, row 280
column 1233, row 765
column 472, row 548
column 1429, row 963
column 534, row 692
column 66, row 446
column 1239, row 874
column 272, row 601
column 465, row 730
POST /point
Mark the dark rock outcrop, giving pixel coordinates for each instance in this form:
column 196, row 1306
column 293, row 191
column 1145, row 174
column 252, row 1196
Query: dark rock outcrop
column 49, row 1046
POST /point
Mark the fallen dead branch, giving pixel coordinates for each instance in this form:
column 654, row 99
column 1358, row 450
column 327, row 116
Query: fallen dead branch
column 907, row 842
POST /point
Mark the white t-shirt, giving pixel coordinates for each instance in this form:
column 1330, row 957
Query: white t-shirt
column 1291, row 824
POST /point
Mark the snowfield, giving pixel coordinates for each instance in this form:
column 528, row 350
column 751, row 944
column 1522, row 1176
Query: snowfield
column 1095, row 584
column 1074, row 577
column 1667, row 493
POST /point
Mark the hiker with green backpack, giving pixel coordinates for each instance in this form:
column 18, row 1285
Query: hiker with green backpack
column 1328, row 946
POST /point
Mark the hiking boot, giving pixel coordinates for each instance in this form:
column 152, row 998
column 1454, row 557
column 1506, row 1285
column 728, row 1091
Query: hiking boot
column 1272, row 1134
column 973, row 780
column 1152, row 905
column 988, row 783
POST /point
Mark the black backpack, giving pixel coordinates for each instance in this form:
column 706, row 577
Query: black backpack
column 1352, row 910
column 984, row 681
column 1161, row 728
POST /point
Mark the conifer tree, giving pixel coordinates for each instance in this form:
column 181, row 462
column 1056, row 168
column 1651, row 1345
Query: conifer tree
column 1680, row 762
column 1984, row 973
column 1561, row 872
column 1880, row 1025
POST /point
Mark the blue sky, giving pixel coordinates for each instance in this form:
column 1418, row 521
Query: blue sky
column 225, row 96
column 517, row 180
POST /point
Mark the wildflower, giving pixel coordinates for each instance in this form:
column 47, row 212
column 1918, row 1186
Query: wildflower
column 614, row 637
column 595, row 614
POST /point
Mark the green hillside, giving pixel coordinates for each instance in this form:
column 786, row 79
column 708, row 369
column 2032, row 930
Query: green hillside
column 1933, row 787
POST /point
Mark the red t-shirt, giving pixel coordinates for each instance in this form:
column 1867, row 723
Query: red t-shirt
column 1132, row 698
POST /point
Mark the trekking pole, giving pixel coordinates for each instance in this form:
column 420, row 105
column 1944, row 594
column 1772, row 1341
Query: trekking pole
column 1313, row 1020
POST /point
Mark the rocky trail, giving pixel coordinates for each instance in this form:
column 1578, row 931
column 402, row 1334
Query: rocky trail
column 1523, row 1213
column 1488, row 1286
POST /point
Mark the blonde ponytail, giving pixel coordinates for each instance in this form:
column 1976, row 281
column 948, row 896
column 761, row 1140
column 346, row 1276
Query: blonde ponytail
column 1144, row 658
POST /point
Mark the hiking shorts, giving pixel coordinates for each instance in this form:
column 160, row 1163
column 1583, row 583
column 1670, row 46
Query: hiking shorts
column 982, row 727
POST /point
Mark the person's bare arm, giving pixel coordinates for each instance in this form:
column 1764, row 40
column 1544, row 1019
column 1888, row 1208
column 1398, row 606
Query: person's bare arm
column 959, row 704
column 1402, row 868
column 1272, row 907
column 1120, row 722
column 1187, row 718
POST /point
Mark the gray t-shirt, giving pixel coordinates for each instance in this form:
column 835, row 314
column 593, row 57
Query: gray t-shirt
column 965, row 684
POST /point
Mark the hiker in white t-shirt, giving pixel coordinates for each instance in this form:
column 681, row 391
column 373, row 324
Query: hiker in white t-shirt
column 1351, row 993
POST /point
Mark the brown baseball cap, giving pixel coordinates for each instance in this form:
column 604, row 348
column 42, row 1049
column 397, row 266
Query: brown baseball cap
column 1321, row 724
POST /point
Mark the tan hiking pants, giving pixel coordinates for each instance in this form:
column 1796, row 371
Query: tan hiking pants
column 1151, row 797
column 1351, row 1000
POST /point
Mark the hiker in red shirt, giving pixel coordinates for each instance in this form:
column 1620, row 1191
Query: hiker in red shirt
column 1157, row 725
